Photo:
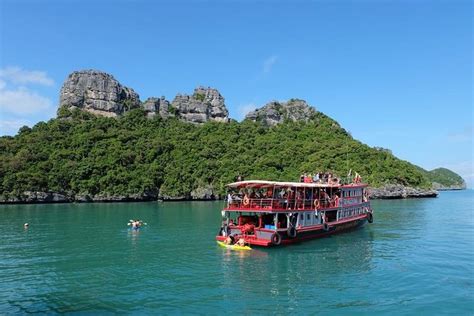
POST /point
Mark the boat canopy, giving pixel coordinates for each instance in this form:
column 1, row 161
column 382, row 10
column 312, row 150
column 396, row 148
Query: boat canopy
column 261, row 183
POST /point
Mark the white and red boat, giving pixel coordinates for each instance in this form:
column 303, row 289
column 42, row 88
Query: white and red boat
column 268, row 213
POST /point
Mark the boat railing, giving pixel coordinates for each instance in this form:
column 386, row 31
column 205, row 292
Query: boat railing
column 282, row 204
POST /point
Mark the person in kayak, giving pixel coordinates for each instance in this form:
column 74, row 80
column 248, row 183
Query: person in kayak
column 229, row 240
column 241, row 242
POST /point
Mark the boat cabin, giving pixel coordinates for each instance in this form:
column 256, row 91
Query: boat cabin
column 259, row 209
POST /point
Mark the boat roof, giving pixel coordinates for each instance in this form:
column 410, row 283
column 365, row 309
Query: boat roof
column 263, row 183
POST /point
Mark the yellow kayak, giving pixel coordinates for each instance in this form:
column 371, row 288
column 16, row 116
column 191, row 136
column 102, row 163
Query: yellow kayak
column 233, row 247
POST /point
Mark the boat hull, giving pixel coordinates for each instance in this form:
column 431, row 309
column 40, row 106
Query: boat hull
column 318, row 233
column 303, row 234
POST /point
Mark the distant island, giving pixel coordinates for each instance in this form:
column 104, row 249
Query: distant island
column 106, row 145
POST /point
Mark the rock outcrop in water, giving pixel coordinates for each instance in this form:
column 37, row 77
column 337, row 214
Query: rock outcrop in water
column 454, row 187
column 276, row 112
column 37, row 197
column 201, row 193
column 206, row 104
column 397, row 191
column 98, row 93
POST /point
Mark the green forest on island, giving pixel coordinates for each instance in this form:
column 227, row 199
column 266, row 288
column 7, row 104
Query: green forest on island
column 79, row 153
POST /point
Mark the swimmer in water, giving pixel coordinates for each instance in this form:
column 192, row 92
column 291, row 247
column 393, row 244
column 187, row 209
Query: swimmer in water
column 136, row 224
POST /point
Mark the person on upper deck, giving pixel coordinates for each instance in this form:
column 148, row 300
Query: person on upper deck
column 325, row 198
column 357, row 178
column 335, row 200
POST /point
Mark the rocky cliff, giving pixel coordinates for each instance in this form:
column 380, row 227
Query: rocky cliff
column 97, row 92
column 158, row 106
column 206, row 104
column 276, row 112
column 101, row 94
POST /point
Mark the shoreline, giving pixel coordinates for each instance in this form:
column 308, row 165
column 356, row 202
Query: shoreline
column 386, row 193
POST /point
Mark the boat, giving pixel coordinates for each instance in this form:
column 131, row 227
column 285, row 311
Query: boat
column 270, row 213
column 233, row 247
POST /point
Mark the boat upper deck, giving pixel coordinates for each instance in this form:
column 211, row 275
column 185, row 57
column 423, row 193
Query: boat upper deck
column 274, row 196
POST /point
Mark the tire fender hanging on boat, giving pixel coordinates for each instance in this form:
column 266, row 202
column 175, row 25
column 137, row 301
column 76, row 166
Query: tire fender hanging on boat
column 275, row 239
column 292, row 232
column 370, row 217
column 326, row 226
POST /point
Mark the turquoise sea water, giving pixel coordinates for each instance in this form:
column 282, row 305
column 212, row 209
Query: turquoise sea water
column 417, row 258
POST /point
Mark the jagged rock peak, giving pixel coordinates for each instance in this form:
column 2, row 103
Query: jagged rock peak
column 157, row 106
column 276, row 112
column 206, row 104
column 97, row 92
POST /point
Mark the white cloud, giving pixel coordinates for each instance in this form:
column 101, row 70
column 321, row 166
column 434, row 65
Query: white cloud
column 268, row 63
column 22, row 101
column 19, row 76
column 10, row 127
column 17, row 100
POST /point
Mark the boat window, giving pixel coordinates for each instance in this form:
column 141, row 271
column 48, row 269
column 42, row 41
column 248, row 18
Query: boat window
column 282, row 220
column 301, row 217
column 308, row 216
column 268, row 221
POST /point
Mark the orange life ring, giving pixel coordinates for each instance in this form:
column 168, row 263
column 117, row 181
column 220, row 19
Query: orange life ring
column 316, row 204
column 246, row 200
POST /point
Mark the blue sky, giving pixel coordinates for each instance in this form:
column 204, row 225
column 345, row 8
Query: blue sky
column 396, row 74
